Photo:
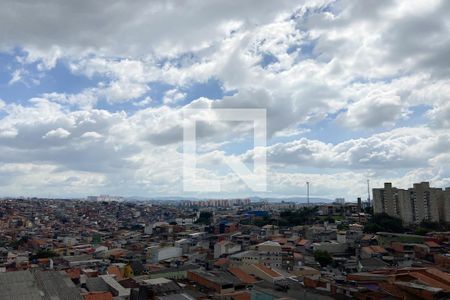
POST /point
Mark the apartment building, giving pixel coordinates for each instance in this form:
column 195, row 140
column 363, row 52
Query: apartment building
column 419, row 203
column 444, row 206
column 270, row 254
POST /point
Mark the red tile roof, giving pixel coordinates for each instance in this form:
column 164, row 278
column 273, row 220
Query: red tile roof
column 426, row 276
column 73, row 273
column 439, row 275
column 298, row 256
column 98, row 296
column 267, row 270
column 430, row 281
column 114, row 270
column 432, row 244
column 221, row 261
column 374, row 249
column 244, row 277
column 378, row 249
column 280, row 240
column 302, row 242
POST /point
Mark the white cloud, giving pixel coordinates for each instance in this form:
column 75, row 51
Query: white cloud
column 6, row 132
column 401, row 148
column 440, row 115
column 173, row 96
column 59, row 133
column 147, row 101
column 46, row 59
column 16, row 76
column 374, row 110
column 137, row 28
column 372, row 65
column 91, row 134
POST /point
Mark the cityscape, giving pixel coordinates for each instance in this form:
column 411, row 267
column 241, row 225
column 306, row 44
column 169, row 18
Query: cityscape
column 106, row 247
column 224, row 150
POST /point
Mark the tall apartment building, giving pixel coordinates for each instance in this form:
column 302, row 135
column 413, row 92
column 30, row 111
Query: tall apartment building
column 385, row 200
column 421, row 202
column 444, row 207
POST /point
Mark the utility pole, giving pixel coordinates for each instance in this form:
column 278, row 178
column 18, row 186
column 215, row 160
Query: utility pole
column 307, row 192
column 368, row 192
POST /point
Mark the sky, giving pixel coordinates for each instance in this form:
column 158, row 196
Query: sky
column 92, row 95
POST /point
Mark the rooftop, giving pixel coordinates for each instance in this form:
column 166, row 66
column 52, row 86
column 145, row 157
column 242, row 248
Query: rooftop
column 48, row 285
column 218, row 277
column 267, row 270
column 244, row 277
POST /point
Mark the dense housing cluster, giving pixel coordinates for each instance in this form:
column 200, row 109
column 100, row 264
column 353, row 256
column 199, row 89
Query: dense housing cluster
column 110, row 248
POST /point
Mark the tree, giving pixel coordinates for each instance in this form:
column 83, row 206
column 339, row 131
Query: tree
column 260, row 222
column 304, row 215
column 384, row 222
column 20, row 242
column 204, row 218
column 342, row 227
column 330, row 220
column 322, row 257
column 45, row 254
column 368, row 210
column 429, row 226
column 421, row 231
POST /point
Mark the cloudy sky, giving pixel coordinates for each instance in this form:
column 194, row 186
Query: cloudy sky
column 92, row 95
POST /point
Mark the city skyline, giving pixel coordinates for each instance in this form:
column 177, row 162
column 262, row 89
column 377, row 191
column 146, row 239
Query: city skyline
column 351, row 94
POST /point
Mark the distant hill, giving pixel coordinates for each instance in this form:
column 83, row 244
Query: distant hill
column 292, row 199
column 253, row 198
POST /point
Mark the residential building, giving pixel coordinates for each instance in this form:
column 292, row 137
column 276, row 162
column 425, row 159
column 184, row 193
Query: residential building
column 417, row 204
column 156, row 254
column 225, row 247
column 270, row 254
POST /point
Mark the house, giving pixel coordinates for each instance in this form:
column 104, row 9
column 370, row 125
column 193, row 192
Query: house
column 406, row 249
column 244, row 258
column 217, row 281
column 373, row 251
column 155, row 288
column 303, row 245
column 371, row 264
column 263, row 272
column 225, row 248
column 433, row 246
column 157, row 253
column 332, row 247
column 403, row 283
column 243, row 276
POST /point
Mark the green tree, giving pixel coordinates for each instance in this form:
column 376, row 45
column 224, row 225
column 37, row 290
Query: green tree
column 204, row 218
column 330, row 220
column 342, row 227
column 260, row 222
column 302, row 216
column 322, row 257
column 45, row 254
column 369, row 210
column 421, row 231
column 429, row 226
column 384, row 222
column 20, row 242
